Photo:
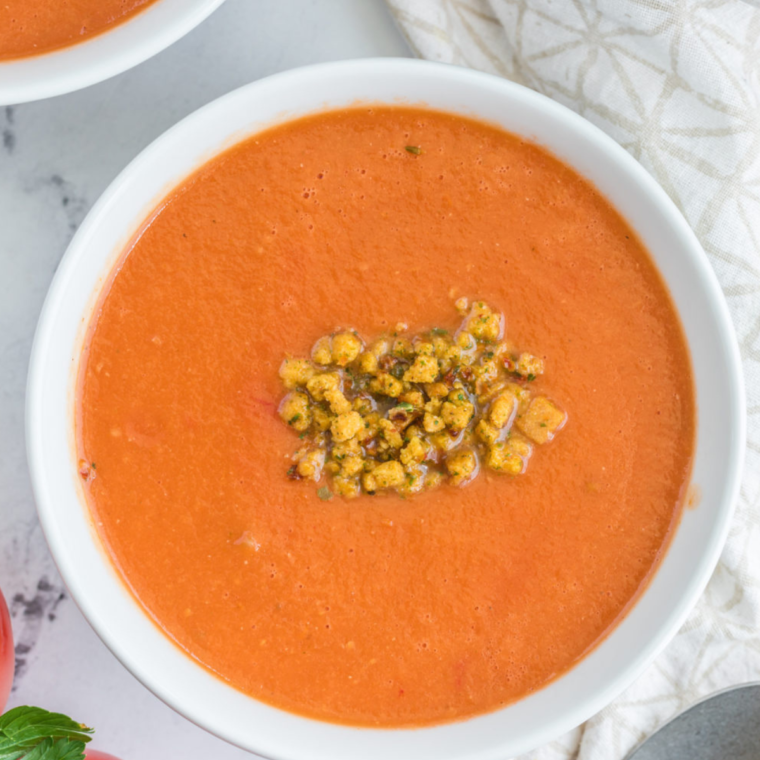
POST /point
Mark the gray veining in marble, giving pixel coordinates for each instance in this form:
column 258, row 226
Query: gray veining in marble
column 56, row 157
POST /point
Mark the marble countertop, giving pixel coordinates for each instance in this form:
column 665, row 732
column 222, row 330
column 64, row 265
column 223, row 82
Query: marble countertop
column 56, row 157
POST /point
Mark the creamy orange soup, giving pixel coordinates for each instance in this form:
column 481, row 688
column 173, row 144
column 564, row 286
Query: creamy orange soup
column 383, row 611
column 29, row 27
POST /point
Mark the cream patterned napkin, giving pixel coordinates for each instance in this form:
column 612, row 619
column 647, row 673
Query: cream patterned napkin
column 676, row 83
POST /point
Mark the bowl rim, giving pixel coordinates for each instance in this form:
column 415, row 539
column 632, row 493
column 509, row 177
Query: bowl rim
column 578, row 711
column 102, row 55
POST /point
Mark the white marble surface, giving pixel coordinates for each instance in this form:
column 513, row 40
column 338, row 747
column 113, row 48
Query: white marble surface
column 56, row 157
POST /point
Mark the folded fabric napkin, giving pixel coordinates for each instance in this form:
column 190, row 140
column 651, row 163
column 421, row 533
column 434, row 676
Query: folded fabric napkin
column 678, row 85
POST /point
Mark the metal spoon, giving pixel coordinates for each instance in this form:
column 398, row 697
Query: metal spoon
column 722, row 726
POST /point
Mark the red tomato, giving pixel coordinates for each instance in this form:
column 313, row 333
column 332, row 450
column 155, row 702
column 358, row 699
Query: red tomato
column 95, row 755
column 7, row 658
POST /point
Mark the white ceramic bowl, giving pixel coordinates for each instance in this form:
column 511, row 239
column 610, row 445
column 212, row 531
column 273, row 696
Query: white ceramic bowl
column 122, row 624
column 103, row 55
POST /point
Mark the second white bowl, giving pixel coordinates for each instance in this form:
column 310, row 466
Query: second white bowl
column 103, row 55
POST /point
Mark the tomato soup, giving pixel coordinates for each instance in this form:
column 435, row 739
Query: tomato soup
column 29, row 27
column 382, row 611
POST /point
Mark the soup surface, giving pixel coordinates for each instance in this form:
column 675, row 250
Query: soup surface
column 28, row 27
column 381, row 610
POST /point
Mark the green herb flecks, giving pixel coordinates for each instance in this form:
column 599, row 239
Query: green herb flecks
column 415, row 149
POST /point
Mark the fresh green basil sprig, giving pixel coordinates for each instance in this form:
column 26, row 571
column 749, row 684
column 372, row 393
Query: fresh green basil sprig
column 31, row 733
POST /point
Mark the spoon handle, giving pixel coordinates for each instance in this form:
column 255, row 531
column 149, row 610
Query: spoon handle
column 724, row 725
